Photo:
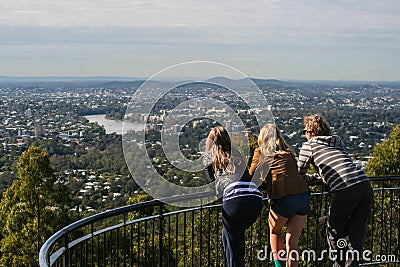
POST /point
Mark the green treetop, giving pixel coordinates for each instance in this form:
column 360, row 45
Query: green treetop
column 386, row 156
column 32, row 209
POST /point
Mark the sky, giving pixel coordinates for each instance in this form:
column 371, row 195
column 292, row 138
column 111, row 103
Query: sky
column 280, row 39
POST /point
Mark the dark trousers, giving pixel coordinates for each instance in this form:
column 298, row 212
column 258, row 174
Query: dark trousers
column 238, row 214
column 348, row 215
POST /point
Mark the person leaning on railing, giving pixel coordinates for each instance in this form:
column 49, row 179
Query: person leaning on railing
column 274, row 162
column 352, row 192
column 242, row 201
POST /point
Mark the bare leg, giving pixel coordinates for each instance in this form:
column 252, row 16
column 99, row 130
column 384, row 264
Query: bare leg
column 293, row 232
column 276, row 222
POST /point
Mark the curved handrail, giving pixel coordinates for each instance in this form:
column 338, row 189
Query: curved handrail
column 109, row 213
column 43, row 254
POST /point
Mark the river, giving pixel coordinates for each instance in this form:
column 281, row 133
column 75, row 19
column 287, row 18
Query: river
column 113, row 126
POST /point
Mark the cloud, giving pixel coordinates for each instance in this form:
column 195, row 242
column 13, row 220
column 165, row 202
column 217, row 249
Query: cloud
column 324, row 35
column 191, row 21
column 192, row 13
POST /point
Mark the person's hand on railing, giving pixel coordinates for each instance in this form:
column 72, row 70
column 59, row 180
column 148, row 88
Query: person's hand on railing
column 313, row 179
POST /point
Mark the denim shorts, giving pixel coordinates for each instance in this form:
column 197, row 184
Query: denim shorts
column 289, row 206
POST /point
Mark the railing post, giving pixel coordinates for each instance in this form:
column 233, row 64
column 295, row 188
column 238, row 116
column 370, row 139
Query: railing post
column 92, row 244
column 160, row 235
column 201, row 230
column 66, row 257
column 125, row 242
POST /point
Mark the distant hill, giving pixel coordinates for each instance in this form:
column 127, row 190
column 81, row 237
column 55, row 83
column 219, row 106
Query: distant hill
column 19, row 79
column 270, row 82
column 68, row 81
column 227, row 81
column 121, row 82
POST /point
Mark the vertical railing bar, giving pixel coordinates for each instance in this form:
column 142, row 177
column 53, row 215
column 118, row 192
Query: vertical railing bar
column 176, row 238
column 70, row 259
column 111, row 248
column 124, row 245
column 87, row 252
column 160, row 234
column 320, row 200
column 138, row 253
column 201, row 233
column 372, row 216
column 117, row 247
column 66, row 254
column 98, row 251
column 260, row 232
column 326, row 210
column 81, row 252
column 267, row 240
column 398, row 228
column 131, row 247
column 209, row 238
column 250, row 253
column 391, row 222
column 74, row 256
column 184, row 239
column 382, row 208
column 92, row 244
column 218, row 242
column 192, row 246
column 153, row 234
column 169, row 240
column 104, row 248
column 145, row 242
column 308, row 229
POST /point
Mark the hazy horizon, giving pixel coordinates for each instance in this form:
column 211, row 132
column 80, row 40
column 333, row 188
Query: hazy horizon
column 59, row 78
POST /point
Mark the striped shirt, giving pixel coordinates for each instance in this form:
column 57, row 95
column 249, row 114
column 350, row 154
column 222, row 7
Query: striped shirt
column 240, row 189
column 232, row 185
column 335, row 166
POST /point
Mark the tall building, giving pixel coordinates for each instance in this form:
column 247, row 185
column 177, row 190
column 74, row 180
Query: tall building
column 228, row 125
column 39, row 130
column 28, row 113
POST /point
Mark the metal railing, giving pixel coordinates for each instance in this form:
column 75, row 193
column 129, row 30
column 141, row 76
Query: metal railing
column 153, row 233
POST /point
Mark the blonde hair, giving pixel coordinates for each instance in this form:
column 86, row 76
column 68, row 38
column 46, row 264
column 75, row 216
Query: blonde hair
column 317, row 125
column 219, row 143
column 270, row 141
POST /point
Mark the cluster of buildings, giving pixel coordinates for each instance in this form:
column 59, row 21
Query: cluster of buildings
column 362, row 114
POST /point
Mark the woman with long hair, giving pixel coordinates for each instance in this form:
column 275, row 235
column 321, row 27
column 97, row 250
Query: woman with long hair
column 242, row 202
column 274, row 161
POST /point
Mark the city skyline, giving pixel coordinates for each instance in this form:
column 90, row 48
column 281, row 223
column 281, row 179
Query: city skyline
column 306, row 40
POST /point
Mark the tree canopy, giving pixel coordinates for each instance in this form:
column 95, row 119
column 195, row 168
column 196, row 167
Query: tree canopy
column 386, row 156
column 32, row 209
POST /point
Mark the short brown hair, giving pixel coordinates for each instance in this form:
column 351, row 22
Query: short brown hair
column 317, row 125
